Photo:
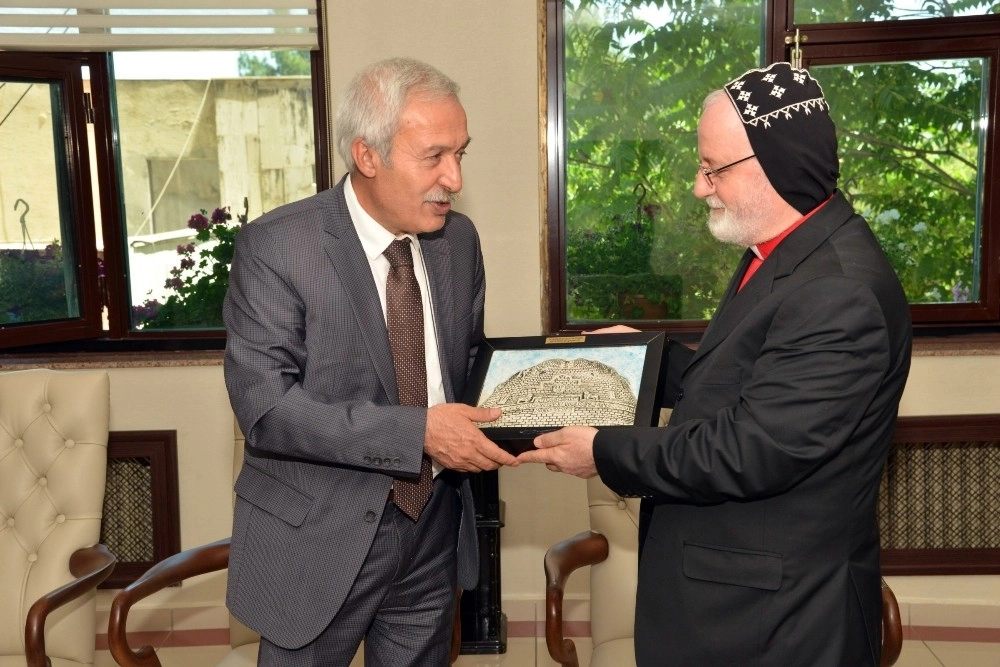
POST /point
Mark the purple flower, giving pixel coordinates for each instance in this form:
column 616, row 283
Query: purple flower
column 174, row 283
column 187, row 263
column 145, row 311
column 221, row 215
column 198, row 222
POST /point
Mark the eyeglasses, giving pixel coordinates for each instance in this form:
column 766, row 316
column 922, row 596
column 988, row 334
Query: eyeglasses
column 708, row 173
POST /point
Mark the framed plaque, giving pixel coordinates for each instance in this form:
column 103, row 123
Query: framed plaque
column 543, row 383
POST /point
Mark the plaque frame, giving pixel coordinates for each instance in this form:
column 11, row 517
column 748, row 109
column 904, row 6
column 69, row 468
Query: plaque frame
column 498, row 359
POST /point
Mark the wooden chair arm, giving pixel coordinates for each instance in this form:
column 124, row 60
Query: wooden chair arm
column 91, row 566
column 172, row 570
column 561, row 560
column 892, row 628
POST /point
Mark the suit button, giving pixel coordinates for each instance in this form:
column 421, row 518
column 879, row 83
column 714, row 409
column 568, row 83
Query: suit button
column 378, row 460
column 369, row 516
column 368, row 459
column 680, row 395
column 395, row 463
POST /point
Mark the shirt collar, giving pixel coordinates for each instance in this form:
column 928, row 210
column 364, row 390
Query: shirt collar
column 374, row 237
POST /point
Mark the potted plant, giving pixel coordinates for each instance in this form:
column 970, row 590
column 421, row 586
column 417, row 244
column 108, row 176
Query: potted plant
column 200, row 280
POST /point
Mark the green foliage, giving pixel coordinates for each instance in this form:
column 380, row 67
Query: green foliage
column 32, row 285
column 911, row 169
column 634, row 87
column 275, row 63
column 637, row 72
column 201, row 279
column 608, row 270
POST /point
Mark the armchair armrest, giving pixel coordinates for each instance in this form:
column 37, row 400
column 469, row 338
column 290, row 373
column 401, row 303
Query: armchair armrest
column 172, row 570
column 892, row 628
column 561, row 560
column 90, row 566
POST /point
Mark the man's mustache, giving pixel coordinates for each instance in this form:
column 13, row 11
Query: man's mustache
column 442, row 196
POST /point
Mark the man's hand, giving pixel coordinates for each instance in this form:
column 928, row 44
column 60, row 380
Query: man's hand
column 616, row 328
column 569, row 450
column 453, row 440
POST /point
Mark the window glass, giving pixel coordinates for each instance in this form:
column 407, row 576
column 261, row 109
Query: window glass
column 38, row 280
column 837, row 11
column 207, row 139
column 637, row 244
column 911, row 148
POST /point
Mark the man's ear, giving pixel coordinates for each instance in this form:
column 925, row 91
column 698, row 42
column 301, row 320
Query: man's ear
column 365, row 158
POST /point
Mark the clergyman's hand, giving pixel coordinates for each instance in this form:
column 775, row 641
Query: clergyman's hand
column 569, row 450
column 453, row 440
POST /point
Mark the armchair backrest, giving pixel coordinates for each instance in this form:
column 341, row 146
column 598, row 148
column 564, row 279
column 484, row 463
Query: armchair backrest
column 613, row 582
column 53, row 464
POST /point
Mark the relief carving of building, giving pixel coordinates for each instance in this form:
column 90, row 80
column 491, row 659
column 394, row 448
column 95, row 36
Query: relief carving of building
column 560, row 392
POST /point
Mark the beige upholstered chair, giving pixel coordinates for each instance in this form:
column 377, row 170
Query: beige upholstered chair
column 53, row 464
column 610, row 547
column 244, row 642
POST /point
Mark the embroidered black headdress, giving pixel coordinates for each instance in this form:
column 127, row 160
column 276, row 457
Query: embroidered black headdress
column 788, row 122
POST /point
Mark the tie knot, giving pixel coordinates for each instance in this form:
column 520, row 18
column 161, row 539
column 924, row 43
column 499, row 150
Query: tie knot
column 398, row 253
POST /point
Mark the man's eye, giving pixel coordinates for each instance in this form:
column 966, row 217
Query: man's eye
column 460, row 155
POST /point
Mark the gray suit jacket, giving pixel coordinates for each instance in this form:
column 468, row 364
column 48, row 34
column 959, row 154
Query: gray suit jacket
column 759, row 536
column 309, row 373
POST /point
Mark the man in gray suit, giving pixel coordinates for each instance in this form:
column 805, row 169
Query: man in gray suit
column 322, row 556
column 758, row 534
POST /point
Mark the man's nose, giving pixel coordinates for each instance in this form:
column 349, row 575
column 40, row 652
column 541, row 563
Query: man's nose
column 451, row 174
column 701, row 188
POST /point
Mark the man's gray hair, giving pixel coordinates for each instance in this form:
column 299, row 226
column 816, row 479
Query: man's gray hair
column 373, row 102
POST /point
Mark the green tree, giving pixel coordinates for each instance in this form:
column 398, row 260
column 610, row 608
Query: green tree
column 274, row 63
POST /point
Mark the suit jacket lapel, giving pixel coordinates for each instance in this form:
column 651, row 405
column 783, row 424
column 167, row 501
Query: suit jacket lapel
column 348, row 260
column 732, row 308
column 437, row 260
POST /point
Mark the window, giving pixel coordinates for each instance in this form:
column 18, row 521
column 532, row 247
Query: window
column 135, row 142
column 913, row 88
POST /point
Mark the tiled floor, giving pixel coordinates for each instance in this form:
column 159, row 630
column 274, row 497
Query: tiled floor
column 531, row 652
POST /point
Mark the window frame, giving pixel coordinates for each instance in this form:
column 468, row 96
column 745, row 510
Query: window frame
column 112, row 290
column 824, row 44
column 64, row 73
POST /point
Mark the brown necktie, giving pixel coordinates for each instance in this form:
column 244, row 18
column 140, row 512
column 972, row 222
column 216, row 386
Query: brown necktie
column 405, row 320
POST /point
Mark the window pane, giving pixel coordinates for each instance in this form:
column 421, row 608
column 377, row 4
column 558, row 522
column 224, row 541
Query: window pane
column 637, row 244
column 201, row 134
column 837, row 11
column 911, row 150
column 38, row 280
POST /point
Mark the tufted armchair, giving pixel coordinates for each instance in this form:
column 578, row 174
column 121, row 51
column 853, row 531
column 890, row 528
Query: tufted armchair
column 53, row 463
column 244, row 642
column 611, row 548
